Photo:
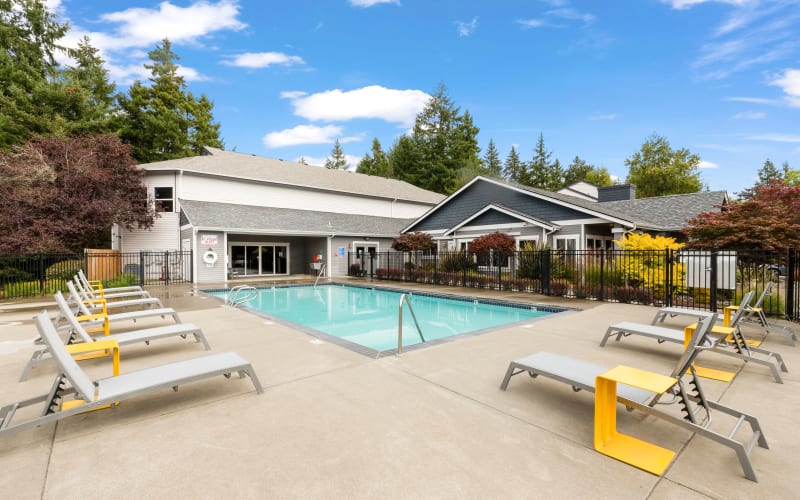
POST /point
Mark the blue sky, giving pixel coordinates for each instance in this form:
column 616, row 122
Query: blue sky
column 719, row 77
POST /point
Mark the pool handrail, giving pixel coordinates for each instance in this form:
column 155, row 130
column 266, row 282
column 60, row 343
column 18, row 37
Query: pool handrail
column 404, row 298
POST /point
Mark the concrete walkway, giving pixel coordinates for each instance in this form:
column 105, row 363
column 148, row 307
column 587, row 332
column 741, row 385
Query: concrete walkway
column 432, row 423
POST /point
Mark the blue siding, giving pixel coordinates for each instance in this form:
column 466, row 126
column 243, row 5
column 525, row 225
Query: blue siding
column 483, row 193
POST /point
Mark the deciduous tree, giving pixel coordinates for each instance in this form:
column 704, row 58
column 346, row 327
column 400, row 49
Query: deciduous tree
column 413, row 242
column 659, row 170
column 770, row 220
column 64, row 194
column 579, row 170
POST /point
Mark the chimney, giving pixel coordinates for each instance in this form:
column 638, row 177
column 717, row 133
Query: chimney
column 620, row 192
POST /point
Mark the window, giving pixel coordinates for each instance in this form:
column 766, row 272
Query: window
column 164, row 199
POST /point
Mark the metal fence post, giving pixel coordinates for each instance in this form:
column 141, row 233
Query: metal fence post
column 546, row 256
column 791, row 311
column 668, row 277
column 141, row 268
column 166, row 267
column 41, row 274
column 713, row 279
column 602, row 274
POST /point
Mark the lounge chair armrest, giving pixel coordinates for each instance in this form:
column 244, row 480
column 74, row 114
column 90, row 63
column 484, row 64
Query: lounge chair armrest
column 93, row 302
column 109, row 347
column 641, row 379
column 91, row 317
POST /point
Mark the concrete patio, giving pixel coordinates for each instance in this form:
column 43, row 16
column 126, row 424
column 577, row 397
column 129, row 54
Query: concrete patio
column 431, row 423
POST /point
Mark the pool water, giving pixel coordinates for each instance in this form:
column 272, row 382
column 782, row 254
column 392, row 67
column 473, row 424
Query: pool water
column 369, row 317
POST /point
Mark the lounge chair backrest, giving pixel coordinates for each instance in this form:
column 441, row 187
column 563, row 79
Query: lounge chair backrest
column 77, row 329
column 742, row 308
column 69, row 367
column 767, row 291
column 83, row 279
column 76, row 297
column 691, row 351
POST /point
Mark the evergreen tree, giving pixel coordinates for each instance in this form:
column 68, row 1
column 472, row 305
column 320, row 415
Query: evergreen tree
column 163, row 121
column 92, row 107
column 492, row 165
column 445, row 143
column 302, row 161
column 337, row 160
column 579, row 171
column 375, row 164
column 28, row 36
column 769, row 172
column 403, row 160
column 514, row 169
column 658, row 170
column 541, row 173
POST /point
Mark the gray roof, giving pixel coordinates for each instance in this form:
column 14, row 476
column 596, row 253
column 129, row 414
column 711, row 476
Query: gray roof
column 247, row 219
column 667, row 213
column 258, row 168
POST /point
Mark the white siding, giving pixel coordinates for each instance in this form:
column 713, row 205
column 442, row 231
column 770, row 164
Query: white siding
column 164, row 235
column 247, row 193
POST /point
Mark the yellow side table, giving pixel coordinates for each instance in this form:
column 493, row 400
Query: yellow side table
column 703, row 371
column 646, row 456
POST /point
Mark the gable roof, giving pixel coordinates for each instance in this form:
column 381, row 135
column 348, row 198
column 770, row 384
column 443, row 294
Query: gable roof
column 516, row 214
column 662, row 213
column 270, row 170
column 668, row 213
column 253, row 219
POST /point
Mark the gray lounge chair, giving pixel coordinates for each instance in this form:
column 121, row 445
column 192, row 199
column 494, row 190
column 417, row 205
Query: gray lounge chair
column 88, row 394
column 728, row 341
column 97, row 301
column 86, row 314
column 101, row 293
column 755, row 313
column 91, row 284
column 696, row 410
column 78, row 334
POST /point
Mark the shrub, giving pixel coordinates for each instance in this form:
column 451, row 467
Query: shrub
column 457, row 261
column 624, row 294
column 412, row 242
column 124, row 279
column 558, row 288
column 355, row 269
column 64, row 270
column 585, row 291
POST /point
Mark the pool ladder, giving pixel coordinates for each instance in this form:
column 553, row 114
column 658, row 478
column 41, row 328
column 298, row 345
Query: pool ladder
column 405, row 298
column 319, row 274
column 240, row 294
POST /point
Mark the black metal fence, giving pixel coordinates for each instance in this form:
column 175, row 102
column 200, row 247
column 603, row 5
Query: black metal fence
column 46, row 273
column 707, row 280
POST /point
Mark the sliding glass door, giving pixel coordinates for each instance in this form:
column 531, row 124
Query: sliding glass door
column 259, row 259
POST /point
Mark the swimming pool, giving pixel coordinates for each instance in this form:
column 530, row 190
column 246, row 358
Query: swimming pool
column 368, row 317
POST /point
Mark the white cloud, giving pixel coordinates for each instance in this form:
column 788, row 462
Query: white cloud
column 752, row 100
column 374, row 101
column 466, row 29
column 571, row 14
column 307, row 134
column 776, row 138
column 530, row 23
column 370, row 3
column 790, row 83
column 293, row 94
column 140, row 27
column 263, row 60
column 686, row 4
column 610, row 116
column 749, row 115
column 707, row 164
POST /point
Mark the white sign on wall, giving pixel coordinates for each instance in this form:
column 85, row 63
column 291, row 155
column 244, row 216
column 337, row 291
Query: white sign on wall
column 208, row 240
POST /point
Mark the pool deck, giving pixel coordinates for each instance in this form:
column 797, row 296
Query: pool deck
column 431, row 423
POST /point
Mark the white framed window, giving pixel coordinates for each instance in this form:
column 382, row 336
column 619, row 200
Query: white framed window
column 164, row 199
column 568, row 243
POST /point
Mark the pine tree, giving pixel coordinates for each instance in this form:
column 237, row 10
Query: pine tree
column 28, row 43
column 92, row 107
column 513, row 169
column 375, row 164
column 404, row 159
column 492, row 166
column 337, row 160
column 445, row 142
column 538, row 174
column 163, row 121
